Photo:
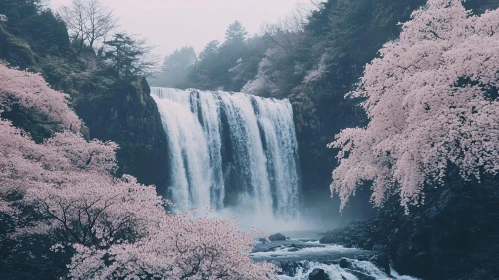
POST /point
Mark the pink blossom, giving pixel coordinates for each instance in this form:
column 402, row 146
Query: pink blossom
column 428, row 105
column 32, row 92
column 118, row 227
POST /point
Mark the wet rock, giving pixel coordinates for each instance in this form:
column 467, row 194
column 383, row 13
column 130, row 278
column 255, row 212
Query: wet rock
column 368, row 245
column 423, row 259
column 302, row 245
column 318, row 274
column 379, row 248
column 383, row 262
column 308, row 240
column 333, row 236
column 344, row 263
column 289, row 268
column 361, row 276
column 452, row 236
column 273, row 248
column 277, row 237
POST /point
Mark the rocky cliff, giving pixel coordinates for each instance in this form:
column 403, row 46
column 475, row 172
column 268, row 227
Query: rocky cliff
column 127, row 115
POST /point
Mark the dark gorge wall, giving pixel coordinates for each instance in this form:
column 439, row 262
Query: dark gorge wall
column 344, row 36
column 317, row 122
column 127, row 115
column 34, row 37
column 454, row 235
column 348, row 34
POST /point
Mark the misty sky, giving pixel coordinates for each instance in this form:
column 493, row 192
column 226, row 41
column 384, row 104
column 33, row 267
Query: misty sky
column 171, row 24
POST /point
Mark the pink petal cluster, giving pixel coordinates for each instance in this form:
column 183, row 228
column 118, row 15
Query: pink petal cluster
column 30, row 91
column 178, row 249
column 118, row 227
column 431, row 104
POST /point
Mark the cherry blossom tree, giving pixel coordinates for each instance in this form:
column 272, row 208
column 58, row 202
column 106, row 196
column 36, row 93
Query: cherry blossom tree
column 30, row 91
column 64, row 187
column 179, row 249
column 431, row 98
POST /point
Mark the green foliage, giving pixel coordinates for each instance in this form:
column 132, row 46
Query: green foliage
column 37, row 39
column 235, row 35
column 15, row 50
column 46, row 33
column 318, row 20
column 360, row 28
column 228, row 65
column 18, row 10
column 205, row 72
column 340, row 38
column 176, row 69
column 128, row 56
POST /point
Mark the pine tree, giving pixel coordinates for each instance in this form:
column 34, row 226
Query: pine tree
column 128, row 56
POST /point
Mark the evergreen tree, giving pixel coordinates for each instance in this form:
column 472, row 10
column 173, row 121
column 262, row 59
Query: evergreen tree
column 176, row 68
column 129, row 56
column 222, row 66
column 235, row 35
column 210, row 50
column 17, row 10
column 205, row 72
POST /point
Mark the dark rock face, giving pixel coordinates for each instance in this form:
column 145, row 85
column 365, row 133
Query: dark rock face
column 455, row 235
column 318, row 274
column 127, row 115
column 318, row 119
column 362, row 276
column 344, row 263
column 277, row 237
column 289, row 268
column 379, row 248
column 383, row 262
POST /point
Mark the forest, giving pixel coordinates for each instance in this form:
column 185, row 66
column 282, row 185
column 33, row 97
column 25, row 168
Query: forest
column 352, row 139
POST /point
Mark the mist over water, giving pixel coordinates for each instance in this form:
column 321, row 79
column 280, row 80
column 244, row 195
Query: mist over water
column 234, row 153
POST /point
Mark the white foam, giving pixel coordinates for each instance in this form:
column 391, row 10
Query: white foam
column 336, row 272
column 284, row 251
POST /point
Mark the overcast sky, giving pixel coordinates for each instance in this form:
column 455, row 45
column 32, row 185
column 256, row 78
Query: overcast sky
column 171, row 24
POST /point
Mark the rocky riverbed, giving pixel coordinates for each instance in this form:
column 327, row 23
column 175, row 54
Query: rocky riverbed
column 307, row 259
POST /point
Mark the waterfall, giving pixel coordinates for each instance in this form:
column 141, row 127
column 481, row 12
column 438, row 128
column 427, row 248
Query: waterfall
column 230, row 151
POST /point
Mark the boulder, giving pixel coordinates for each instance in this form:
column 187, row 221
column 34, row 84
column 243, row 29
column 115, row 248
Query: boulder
column 289, row 268
column 344, row 263
column 277, row 237
column 318, row 274
column 362, row 276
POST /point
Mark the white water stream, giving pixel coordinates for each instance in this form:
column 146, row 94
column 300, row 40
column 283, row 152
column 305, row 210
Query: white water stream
column 230, row 151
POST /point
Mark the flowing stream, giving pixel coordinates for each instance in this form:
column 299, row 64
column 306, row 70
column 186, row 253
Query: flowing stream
column 298, row 257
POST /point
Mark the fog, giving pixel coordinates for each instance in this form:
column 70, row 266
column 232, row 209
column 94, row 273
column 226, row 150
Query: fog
column 172, row 24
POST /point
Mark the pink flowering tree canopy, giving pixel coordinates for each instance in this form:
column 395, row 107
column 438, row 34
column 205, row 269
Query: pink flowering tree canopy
column 117, row 227
column 431, row 98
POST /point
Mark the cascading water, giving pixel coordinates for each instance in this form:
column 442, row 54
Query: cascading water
column 230, row 151
column 238, row 154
